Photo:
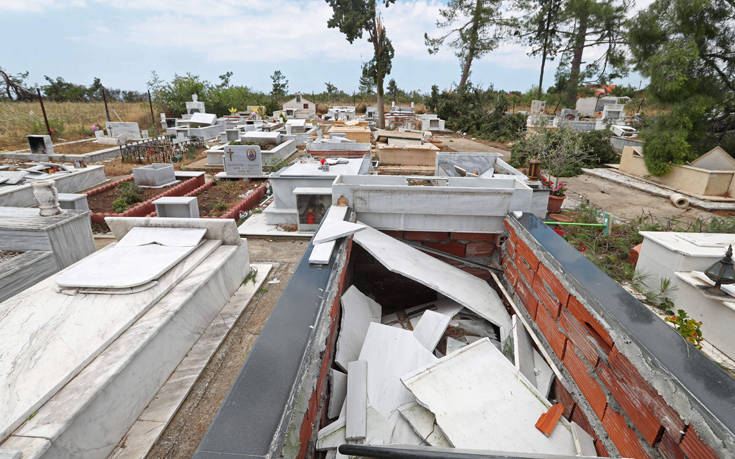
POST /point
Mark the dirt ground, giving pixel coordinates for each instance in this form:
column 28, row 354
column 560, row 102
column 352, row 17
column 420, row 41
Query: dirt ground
column 221, row 196
column 459, row 143
column 102, row 202
column 624, row 202
column 187, row 428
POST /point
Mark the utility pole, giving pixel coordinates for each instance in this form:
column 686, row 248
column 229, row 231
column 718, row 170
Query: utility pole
column 43, row 109
column 104, row 97
column 150, row 104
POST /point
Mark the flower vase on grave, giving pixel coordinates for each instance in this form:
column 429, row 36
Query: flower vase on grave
column 48, row 198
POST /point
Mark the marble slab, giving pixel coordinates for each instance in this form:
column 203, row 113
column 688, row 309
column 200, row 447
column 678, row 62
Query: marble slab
column 378, row 431
column 47, row 337
column 358, row 311
column 403, row 434
column 583, row 441
column 122, row 267
column 170, row 237
column 470, row 291
column 322, row 253
column 356, row 401
column 391, row 353
column 336, row 230
column 481, row 401
column 454, row 345
column 144, row 433
column 221, row 229
column 337, row 392
column 423, row 422
column 430, row 328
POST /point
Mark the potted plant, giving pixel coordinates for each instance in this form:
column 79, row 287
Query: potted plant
column 557, row 194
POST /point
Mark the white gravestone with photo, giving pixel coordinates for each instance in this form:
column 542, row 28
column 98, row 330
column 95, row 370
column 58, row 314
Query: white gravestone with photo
column 242, row 161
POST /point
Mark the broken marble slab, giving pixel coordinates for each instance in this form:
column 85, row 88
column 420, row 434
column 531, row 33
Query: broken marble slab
column 442, row 305
column 391, row 353
column 170, row 237
column 338, row 390
column 470, row 291
column 528, row 361
column 430, row 328
column 358, row 311
column 481, row 401
column 356, row 401
column 12, row 177
column 378, row 431
column 322, row 253
column 423, row 422
column 404, row 434
column 335, row 230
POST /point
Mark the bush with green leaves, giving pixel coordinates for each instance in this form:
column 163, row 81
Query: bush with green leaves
column 560, row 151
column 598, row 147
column 128, row 193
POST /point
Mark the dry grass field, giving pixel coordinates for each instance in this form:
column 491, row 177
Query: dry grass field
column 70, row 120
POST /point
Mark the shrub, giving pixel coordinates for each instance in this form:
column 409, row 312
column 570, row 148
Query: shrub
column 598, row 147
column 559, row 150
column 120, row 205
column 130, row 192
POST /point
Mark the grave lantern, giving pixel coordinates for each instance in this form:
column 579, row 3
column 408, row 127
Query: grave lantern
column 722, row 272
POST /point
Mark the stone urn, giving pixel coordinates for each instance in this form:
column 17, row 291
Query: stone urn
column 48, row 198
column 555, row 202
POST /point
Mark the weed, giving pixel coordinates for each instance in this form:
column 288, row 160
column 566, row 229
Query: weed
column 687, row 327
column 120, row 205
column 250, row 277
column 219, row 206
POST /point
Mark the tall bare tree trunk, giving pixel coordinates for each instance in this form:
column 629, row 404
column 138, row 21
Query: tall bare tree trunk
column 381, row 109
column 576, row 64
column 472, row 47
column 545, row 50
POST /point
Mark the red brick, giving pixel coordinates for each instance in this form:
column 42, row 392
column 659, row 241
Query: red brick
column 565, row 398
column 474, row 237
column 397, row 234
column 544, row 297
column 511, row 233
column 526, row 296
column 601, row 451
column 526, row 271
column 645, row 421
column 670, row 448
column 549, row 328
column 634, row 253
column 450, row 247
column 579, row 335
column 579, row 417
column 425, row 236
column 554, row 285
column 511, row 273
column 584, row 316
column 582, row 374
column 623, row 437
column 530, row 257
column 694, row 447
column 510, row 250
column 480, row 249
column 632, row 382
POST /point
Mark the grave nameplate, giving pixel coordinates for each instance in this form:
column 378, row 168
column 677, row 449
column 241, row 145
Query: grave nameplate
column 243, row 161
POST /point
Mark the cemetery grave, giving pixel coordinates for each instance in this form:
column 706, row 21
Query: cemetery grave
column 221, row 197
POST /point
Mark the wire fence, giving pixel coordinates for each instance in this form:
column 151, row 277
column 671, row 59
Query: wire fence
column 158, row 150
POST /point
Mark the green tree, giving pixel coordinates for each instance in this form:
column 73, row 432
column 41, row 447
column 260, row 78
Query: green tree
column 172, row 96
column 539, row 29
column 393, row 90
column 471, row 28
column 280, row 85
column 331, row 90
column 14, row 86
column 686, row 48
column 366, row 83
column 433, row 98
column 224, row 80
column 355, row 18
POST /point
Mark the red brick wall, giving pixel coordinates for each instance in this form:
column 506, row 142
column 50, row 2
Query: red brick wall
column 634, row 416
column 315, row 411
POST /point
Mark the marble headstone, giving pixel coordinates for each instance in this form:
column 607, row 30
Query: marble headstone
column 243, row 161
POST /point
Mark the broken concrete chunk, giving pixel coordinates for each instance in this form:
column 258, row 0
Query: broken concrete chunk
column 481, row 402
column 430, row 328
column 338, row 389
column 358, row 311
column 356, row 401
column 391, row 353
column 469, row 291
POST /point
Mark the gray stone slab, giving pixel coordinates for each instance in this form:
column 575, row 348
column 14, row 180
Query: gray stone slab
column 430, row 328
column 337, row 392
column 358, row 311
column 356, row 400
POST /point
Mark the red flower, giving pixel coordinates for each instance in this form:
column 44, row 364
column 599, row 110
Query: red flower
column 582, row 248
column 559, row 231
column 51, row 131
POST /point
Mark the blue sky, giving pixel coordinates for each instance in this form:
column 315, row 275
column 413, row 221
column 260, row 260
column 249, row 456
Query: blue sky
column 122, row 42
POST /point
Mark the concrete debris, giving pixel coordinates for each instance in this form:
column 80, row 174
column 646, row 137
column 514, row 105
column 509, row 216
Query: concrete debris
column 337, row 392
column 358, row 311
column 430, row 328
column 356, row 401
